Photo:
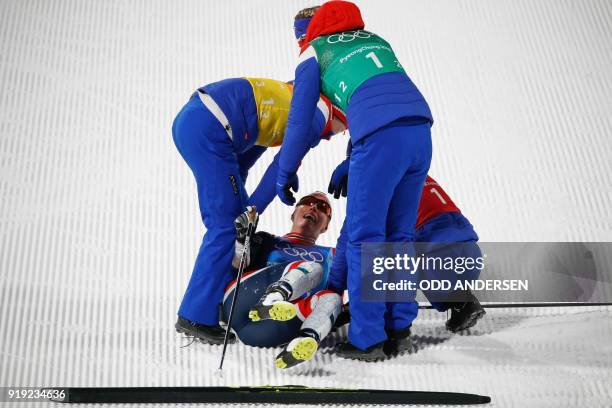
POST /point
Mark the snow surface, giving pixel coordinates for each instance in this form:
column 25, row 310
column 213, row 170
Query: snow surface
column 99, row 223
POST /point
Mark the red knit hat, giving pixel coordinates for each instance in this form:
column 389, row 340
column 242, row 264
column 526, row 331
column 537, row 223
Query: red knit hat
column 333, row 17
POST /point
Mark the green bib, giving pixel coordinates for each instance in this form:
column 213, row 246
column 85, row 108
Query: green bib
column 348, row 59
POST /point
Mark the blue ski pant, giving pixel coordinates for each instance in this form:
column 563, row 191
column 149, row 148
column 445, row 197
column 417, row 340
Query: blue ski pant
column 386, row 176
column 447, row 236
column 206, row 147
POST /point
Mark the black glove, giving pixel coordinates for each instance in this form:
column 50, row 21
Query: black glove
column 242, row 223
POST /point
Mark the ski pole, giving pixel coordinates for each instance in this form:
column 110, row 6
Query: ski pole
column 247, row 243
column 494, row 305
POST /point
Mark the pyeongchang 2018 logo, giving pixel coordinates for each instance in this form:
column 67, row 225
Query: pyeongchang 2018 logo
column 348, row 36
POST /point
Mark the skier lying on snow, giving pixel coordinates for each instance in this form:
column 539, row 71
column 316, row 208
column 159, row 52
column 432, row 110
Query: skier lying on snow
column 294, row 270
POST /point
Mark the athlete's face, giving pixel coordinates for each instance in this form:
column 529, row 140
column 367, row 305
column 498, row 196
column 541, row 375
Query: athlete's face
column 311, row 216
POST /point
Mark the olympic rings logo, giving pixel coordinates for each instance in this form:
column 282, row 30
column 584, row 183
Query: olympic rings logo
column 348, row 36
column 302, row 253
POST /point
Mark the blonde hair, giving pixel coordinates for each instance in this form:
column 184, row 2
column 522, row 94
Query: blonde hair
column 307, row 12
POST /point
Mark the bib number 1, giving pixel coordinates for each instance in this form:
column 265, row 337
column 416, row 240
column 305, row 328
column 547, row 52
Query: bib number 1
column 437, row 194
column 376, row 62
column 374, row 59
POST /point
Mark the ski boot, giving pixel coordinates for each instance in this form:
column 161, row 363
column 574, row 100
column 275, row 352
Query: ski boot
column 398, row 342
column 343, row 318
column 274, row 305
column 372, row 353
column 300, row 349
column 464, row 315
column 203, row 333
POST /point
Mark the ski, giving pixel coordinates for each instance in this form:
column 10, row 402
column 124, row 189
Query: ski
column 526, row 305
column 262, row 395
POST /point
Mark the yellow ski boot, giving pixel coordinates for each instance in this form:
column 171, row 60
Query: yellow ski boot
column 274, row 305
column 281, row 311
column 297, row 351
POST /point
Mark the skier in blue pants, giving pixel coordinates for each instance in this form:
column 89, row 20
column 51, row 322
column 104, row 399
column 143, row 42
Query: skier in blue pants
column 389, row 123
column 221, row 132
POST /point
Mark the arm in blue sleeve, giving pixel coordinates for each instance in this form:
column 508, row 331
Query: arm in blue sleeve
column 266, row 189
column 339, row 270
column 298, row 133
column 247, row 159
column 316, row 129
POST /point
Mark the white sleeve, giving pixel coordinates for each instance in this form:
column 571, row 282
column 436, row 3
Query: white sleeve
column 307, row 54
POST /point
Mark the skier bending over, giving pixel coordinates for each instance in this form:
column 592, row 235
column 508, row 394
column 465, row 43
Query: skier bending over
column 221, row 132
column 293, row 271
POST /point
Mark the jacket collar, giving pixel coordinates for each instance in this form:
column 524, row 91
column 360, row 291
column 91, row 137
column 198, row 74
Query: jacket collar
column 298, row 239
